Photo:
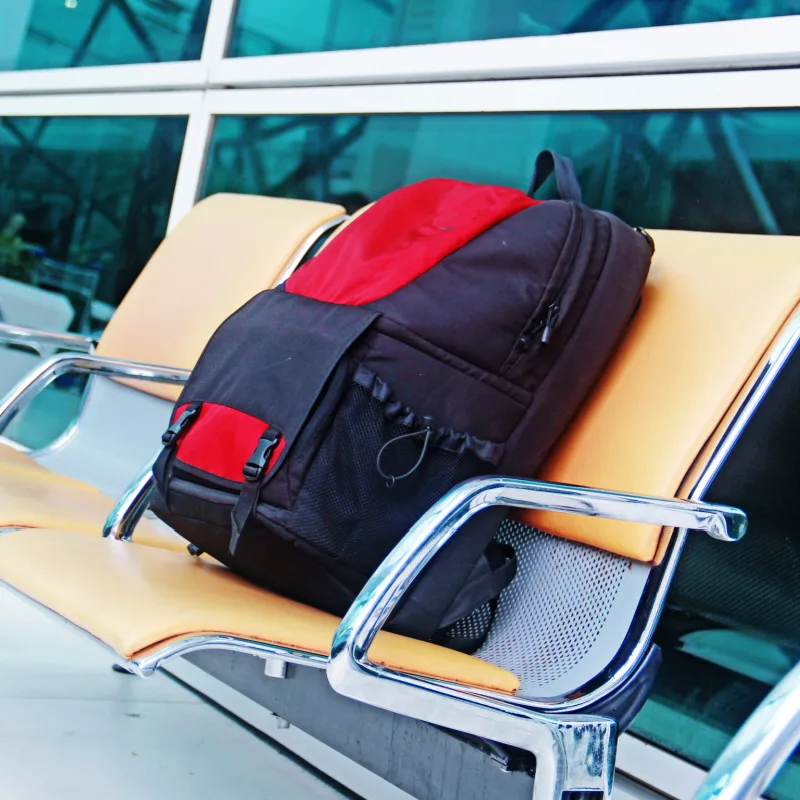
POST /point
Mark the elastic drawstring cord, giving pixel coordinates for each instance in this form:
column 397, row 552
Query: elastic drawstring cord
column 392, row 479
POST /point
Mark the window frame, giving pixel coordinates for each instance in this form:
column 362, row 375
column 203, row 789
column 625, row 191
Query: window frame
column 740, row 44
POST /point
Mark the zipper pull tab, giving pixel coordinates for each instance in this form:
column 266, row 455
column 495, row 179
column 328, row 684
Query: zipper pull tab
column 175, row 431
column 550, row 322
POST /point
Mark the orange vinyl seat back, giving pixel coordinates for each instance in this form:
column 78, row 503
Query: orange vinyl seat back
column 178, row 300
column 712, row 306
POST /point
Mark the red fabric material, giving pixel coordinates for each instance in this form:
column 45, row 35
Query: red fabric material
column 401, row 237
column 220, row 441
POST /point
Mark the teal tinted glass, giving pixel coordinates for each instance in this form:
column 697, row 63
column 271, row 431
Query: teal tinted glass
column 84, row 202
column 733, row 171
column 42, row 34
column 716, row 171
column 271, row 27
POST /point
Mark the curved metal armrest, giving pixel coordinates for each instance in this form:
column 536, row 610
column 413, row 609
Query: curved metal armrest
column 69, row 363
column 440, row 523
column 760, row 748
column 127, row 512
column 35, row 339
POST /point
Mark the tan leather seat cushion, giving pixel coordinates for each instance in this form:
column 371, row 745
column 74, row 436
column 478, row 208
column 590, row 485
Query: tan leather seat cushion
column 711, row 308
column 20, row 463
column 225, row 251
column 133, row 598
column 33, row 496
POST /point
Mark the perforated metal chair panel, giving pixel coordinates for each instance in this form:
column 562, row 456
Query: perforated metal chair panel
column 565, row 614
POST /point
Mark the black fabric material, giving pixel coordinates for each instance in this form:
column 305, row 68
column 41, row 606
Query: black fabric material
column 495, row 570
column 548, row 162
column 475, row 367
column 275, row 377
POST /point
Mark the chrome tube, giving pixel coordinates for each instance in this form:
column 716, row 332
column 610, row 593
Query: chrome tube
column 145, row 665
column 561, row 763
column 441, row 522
column 760, row 748
column 69, row 363
column 35, row 338
column 128, row 510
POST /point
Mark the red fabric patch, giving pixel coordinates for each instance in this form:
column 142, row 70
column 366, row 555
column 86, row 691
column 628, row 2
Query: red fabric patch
column 401, row 237
column 220, row 441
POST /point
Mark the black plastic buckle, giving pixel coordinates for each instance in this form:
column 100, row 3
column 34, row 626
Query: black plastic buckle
column 171, row 434
column 256, row 463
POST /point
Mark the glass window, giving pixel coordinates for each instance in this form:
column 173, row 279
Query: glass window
column 659, row 169
column 84, row 202
column 734, row 171
column 43, row 34
column 271, row 27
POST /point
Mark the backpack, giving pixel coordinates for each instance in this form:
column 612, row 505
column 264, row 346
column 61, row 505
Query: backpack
column 451, row 330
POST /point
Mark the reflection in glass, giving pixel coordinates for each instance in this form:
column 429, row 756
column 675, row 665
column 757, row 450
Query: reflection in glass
column 272, row 27
column 84, row 202
column 44, row 34
column 719, row 171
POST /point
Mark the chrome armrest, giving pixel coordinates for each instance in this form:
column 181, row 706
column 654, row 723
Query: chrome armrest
column 351, row 673
column 441, row 522
column 36, row 339
column 70, row 363
column 760, row 748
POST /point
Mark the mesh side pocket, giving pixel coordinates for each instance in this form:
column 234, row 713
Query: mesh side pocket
column 345, row 508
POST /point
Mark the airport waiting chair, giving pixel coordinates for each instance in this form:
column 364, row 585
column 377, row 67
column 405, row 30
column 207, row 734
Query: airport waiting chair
column 228, row 248
column 569, row 658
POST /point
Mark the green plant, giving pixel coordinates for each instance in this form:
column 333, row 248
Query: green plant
column 17, row 259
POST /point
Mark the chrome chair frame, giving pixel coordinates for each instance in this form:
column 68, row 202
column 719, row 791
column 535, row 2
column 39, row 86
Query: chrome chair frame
column 35, row 338
column 574, row 752
column 87, row 364
column 483, row 713
column 760, row 748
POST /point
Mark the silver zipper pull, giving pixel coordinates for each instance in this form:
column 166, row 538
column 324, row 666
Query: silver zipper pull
column 550, row 322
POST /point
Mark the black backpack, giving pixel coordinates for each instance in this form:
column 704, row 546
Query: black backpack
column 450, row 331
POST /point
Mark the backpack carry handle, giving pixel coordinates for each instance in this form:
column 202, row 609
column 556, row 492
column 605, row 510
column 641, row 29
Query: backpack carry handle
column 548, row 162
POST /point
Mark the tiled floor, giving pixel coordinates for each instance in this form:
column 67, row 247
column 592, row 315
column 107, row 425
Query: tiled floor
column 72, row 729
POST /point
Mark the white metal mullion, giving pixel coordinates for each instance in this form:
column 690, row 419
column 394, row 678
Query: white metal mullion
column 712, row 90
column 192, row 164
column 220, row 21
column 131, row 77
column 736, row 44
column 134, row 104
column 118, row 78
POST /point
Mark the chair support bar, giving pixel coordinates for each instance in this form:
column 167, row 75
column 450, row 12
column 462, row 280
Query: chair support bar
column 69, row 363
column 35, row 338
column 760, row 748
column 131, row 506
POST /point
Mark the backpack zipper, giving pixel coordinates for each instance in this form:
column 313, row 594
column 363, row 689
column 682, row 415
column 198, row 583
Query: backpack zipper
column 549, row 319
